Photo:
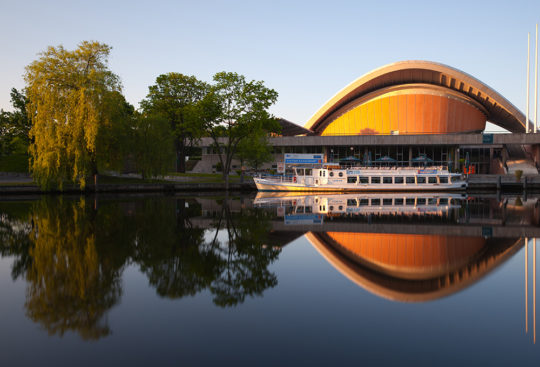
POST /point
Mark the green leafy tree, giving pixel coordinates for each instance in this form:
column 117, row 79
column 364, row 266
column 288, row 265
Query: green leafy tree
column 15, row 126
column 234, row 111
column 174, row 96
column 152, row 145
column 67, row 93
column 255, row 151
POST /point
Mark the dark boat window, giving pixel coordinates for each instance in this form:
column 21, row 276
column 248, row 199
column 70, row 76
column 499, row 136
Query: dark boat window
column 331, row 174
column 375, row 180
column 364, row 179
column 351, row 202
column 308, row 171
column 455, row 178
column 387, row 201
column 443, row 179
column 364, row 202
column 432, row 201
column 387, row 180
column 398, row 201
column 300, row 172
column 421, row 179
column 331, row 207
column 398, row 179
column 351, row 179
column 432, row 179
column 409, row 201
column 409, row 180
column 340, row 174
column 375, row 201
column 443, row 201
column 421, row 201
column 308, row 210
column 340, row 207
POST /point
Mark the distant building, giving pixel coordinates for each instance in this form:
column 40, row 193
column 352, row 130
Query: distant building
column 405, row 110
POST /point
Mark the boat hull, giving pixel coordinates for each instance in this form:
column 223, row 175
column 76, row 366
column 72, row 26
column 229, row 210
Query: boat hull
column 269, row 185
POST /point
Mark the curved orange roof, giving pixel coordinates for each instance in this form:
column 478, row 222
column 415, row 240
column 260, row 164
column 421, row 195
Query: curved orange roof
column 499, row 110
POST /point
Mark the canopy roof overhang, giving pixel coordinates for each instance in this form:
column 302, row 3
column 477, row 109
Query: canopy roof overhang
column 499, row 110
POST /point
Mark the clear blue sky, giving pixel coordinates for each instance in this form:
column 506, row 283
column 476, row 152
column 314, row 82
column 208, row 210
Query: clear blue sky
column 305, row 50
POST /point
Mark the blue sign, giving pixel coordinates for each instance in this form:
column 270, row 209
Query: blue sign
column 303, row 158
column 427, row 171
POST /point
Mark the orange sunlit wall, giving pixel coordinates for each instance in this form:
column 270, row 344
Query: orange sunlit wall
column 409, row 253
column 409, row 113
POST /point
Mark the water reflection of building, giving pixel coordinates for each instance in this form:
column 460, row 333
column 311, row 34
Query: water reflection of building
column 412, row 268
column 409, row 247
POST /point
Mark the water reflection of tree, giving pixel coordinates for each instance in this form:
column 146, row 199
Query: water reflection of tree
column 179, row 262
column 15, row 229
column 72, row 254
column 171, row 250
column 245, row 257
column 72, row 280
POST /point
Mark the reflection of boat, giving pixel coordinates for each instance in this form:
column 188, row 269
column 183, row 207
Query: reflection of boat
column 364, row 179
column 412, row 268
column 360, row 203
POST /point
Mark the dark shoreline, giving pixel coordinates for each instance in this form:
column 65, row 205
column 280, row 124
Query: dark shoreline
column 489, row 183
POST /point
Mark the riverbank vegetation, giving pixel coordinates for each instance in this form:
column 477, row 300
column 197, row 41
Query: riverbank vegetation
column 71, row 122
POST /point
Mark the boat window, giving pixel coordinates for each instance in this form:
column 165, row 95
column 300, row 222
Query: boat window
column 455, row 178
column 351, row 179
column 300, row 172
column 387, row 180
column 375, row 201
column 308, row 210
column 409, row 201
column 398, row 201
column 387, row 202
column 375, row 180
column 409, row 180
column 443, row 201
column 340, row 207
column 421, row 201
column 351, row 202
column 432, row 201
column 443, row 179
column 299, row 209
column 331, row 174
column 432, row 179
column 421, row 179
column 364, row 202
column 364, row 179
column 331, row 207
column 308, row 171
column 398, row 179
column 340, row 174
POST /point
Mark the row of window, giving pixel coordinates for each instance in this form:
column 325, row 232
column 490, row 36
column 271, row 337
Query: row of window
column 399, row 179
column 379, row 202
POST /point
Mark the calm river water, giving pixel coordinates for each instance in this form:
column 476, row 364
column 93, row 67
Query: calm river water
column 376, row 279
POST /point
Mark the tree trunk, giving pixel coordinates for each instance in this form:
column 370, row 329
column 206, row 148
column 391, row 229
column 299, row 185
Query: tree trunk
column 180, row 156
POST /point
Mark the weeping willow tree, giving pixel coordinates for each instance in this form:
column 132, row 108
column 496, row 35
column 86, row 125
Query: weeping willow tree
column 69, row 95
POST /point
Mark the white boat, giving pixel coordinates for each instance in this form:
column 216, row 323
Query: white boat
column 364, row 179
